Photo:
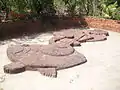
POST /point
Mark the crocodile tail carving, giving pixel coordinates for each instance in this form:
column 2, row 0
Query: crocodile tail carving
column 15, row 67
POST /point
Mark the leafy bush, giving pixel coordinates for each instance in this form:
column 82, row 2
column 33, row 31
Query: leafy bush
column 35, row 8
column 86, row 7
column 117, row 14
column 101, row 8
column 110, row 10
column 21, row 7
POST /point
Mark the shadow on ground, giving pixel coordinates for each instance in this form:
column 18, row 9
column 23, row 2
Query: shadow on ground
column 47, row 24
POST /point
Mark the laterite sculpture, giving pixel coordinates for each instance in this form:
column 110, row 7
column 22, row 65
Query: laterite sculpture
column 76, row 37
column 59, row 54
column 46, row 59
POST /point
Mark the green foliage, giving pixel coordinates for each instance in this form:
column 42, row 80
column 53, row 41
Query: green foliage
column 110, row 10
column 5, row 5
column 86, row 7
column 40, row 6
column 71, row 6
column 35, row 8
column 18, row 6
column 101, row 8
column 117, row 14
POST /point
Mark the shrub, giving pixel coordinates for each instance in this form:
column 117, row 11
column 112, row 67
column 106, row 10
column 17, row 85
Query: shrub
column 15, row 9
column 21, row 7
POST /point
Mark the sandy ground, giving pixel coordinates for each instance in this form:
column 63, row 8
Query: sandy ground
column 101, row 72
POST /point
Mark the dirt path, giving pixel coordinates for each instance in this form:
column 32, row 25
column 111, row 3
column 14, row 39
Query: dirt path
column 101, row 72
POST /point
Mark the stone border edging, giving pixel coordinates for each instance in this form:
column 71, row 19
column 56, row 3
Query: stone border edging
column 108, row 24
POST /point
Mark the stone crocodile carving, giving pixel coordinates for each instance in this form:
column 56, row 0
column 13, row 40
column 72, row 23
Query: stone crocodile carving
column 76, row 37
column 59, row 54
column 46, row 59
